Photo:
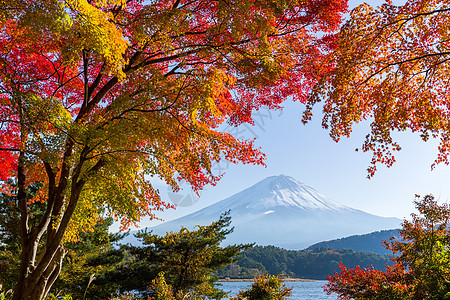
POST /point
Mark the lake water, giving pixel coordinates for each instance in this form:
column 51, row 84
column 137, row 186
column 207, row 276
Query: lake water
column 302, row 290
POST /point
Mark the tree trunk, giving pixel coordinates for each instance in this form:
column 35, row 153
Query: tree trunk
column 36, row 284
column 37, row 274
column 38, row 271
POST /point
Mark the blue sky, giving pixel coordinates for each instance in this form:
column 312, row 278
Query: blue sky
column 307, row 153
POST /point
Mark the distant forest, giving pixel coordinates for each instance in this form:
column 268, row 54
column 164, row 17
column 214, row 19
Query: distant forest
column 372, row 242
column 311, row 264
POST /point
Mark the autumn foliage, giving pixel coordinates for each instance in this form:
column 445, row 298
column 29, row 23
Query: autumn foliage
column 99, row 97
column 422, row 263
column 391, row 70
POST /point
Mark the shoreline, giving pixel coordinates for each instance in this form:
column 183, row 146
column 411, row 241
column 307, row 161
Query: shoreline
column 251, row 279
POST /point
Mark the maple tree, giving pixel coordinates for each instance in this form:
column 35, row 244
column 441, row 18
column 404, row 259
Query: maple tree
column 422, row 263
column 391, row 69
column 98, row 97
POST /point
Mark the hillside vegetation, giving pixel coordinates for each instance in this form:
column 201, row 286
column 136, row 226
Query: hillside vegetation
column 313, row 264
column 371, row 242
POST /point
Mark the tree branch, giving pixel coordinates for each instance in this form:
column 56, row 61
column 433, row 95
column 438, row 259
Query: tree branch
column 86, row 79
column 10, row 149
column 403, row 62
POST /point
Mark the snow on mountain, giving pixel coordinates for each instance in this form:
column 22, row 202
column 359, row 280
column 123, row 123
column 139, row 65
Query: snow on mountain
column 284, row 212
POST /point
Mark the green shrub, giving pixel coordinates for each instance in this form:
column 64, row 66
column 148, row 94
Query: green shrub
column 266, row 287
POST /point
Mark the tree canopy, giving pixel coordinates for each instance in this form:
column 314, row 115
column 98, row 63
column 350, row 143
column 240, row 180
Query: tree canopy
column 391, row 68
column 187, row 259
column 98, row 97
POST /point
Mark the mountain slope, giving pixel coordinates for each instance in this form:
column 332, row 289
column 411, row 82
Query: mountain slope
column 284, row 212
column 372, row 242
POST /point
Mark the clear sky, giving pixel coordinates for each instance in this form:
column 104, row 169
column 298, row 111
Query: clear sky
column 307, row 153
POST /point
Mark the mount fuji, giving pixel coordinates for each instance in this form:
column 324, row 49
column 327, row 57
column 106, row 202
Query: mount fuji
column 284, row 212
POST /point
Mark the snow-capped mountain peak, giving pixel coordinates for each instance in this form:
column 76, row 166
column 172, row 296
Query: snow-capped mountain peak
column 284, row 212
column 281, row 191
